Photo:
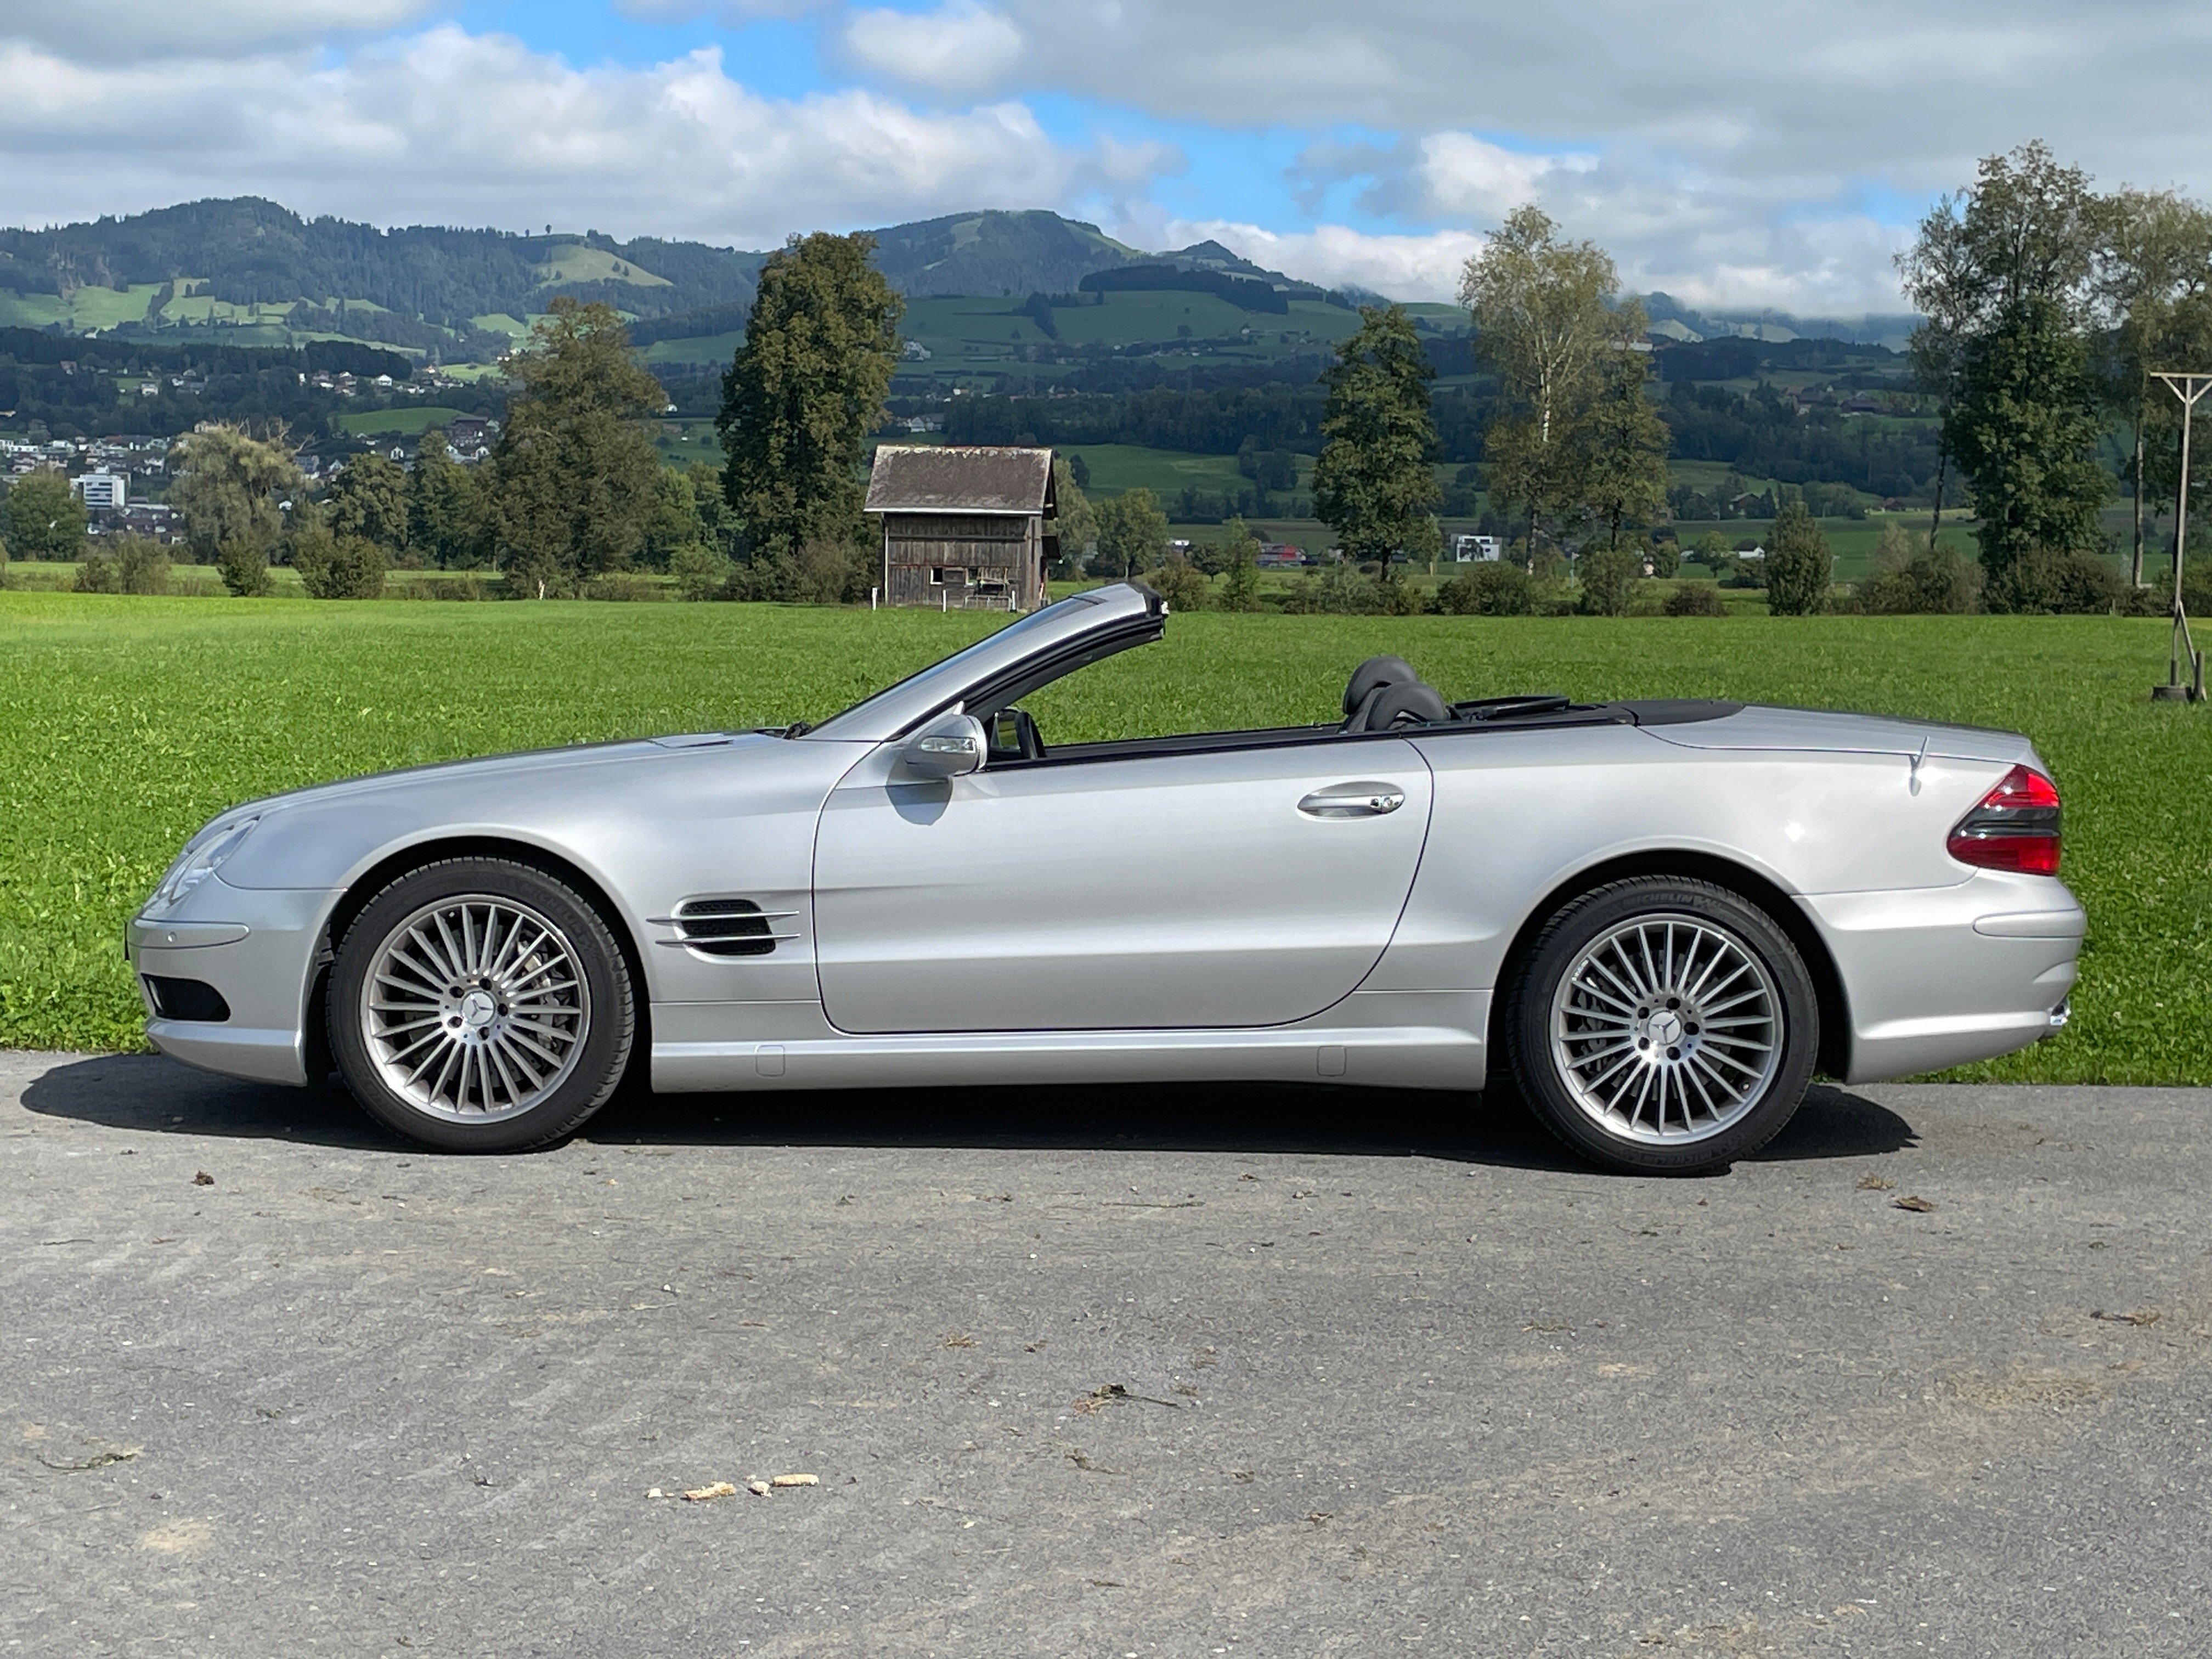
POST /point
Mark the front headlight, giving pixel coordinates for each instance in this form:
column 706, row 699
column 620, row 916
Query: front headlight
column 203, row 856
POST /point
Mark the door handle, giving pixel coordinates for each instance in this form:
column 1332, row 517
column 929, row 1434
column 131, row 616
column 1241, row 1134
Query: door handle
column 1354, row 801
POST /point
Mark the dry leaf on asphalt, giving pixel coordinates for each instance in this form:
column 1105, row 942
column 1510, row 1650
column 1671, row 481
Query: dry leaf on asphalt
column 1913, row 1202
column 704, row 1494
column 1874, row 1183
column 794, row 1480
column 202, row 1179
column 2140, row 1316
column 758, row 1488
column 98, row 1459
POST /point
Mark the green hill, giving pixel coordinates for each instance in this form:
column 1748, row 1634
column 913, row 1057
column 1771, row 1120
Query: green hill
column 263, row 274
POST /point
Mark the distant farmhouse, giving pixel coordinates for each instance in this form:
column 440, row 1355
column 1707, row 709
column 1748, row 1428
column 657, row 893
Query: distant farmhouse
column 963, row 525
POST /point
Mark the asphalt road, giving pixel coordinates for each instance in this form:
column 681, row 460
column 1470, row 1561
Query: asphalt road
column 1252, row 1371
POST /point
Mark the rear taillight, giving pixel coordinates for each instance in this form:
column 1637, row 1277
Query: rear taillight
column 2015, row 827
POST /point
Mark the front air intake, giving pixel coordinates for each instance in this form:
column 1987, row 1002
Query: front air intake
column 725, row 928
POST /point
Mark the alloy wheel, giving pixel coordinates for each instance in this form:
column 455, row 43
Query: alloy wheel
column 474, row 1009
column 1667, row 1029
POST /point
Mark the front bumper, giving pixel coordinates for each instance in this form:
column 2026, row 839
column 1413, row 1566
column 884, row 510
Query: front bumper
column 1937, row 977
column 258, row 948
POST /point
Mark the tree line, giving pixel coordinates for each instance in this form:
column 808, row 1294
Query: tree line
column 2048, row 307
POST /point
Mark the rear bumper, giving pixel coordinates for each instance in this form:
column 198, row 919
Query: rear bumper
column 1935, row 977
column 258, row 949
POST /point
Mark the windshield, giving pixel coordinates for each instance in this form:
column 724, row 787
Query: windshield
column 956, row 669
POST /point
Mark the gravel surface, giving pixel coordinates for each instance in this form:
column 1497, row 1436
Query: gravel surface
column 1109, row 1372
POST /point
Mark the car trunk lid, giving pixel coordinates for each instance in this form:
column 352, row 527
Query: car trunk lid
column 1833, row 731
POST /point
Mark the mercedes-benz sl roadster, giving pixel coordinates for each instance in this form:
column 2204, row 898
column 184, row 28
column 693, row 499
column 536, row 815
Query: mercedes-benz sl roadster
column 1660, row 918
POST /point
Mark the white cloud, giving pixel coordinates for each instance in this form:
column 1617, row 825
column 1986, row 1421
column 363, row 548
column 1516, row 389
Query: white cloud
column 453, row 127
column 202, row 28
column 1908, row 89
column 1404, row 267
column 961, row 47
column 1441, row 175
column 1739, row 140
column 1463, row 174
column 1742, row 152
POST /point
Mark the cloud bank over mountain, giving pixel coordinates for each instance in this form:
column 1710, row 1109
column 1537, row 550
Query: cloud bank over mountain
column 1732, row 154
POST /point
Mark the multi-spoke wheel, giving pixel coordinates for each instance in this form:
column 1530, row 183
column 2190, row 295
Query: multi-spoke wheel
column 1663, row 1026
column 478, row 1005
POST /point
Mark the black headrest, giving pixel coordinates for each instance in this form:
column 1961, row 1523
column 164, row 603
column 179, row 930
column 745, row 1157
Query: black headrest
column 1416, row 704
column 1376, row 672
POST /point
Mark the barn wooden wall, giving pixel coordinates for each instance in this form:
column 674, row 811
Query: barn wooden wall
column 1002, row 549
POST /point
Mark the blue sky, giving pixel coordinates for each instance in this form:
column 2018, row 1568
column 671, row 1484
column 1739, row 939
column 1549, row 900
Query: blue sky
column 1736, row 153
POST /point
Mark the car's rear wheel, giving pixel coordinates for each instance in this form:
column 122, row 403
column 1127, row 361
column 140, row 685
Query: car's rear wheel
column 1662, row 1026
column 480, row 1005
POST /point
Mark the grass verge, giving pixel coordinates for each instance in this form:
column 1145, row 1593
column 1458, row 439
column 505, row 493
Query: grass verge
column 128, row 722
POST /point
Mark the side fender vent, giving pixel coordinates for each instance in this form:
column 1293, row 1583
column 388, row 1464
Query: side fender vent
column 723, row 927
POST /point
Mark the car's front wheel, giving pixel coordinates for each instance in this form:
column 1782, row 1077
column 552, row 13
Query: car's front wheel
column 481, row 1005
column 1662, row 1026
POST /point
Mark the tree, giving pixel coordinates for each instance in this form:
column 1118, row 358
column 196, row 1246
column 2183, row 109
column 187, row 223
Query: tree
column 716, row 519
column 575, row 475
column 1076, row 521
column 333, row 566
column 701, row 571
column 1541, row 323
column 1182, row 585
column 804, row 392
column 1489, row 588
column 1373, row 484
column 1798, row 565
column 2152, row 278
column 1609, row 575
column 2026, row 230
column 1922, row 581
column 2025, row 429
column 444, row 508
column 1622, row 441
column 1240, row 574
column 369, row 500
column 1133, row 531
column 1716, row 553
column 245, row 569
column 227, row 485
column 675, row 521
column 45, row 519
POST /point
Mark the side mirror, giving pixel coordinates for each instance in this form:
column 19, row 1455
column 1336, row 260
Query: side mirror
column 947, row 748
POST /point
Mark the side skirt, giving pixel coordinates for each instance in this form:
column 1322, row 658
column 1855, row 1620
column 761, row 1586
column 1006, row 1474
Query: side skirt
column 1350, row 1044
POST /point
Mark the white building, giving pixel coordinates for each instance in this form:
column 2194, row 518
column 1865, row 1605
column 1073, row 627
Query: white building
column 1468, row 549
column 102, row 489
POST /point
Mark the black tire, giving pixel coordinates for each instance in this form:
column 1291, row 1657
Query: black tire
column 581, row 1039
column 1668, row 1028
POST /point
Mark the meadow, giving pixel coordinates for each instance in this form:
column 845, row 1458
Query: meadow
column 127, row 722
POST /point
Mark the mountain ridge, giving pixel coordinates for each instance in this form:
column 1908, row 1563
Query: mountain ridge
column 266, row 274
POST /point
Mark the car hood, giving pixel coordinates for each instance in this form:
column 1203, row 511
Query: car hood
column 1758, row 726
column 590, row 795
column 494, row 769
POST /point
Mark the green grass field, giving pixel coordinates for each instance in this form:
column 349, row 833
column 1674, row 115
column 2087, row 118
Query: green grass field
column 697, row 351
column 128, row 722
column 398, row 422
column 188, row 581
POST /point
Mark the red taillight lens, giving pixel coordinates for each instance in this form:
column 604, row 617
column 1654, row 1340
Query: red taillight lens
column 2015, row 827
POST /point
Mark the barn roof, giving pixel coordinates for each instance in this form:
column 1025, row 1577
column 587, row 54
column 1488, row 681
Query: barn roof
column 960, row 478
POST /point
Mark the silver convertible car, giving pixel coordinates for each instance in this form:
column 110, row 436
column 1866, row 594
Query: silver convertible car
column 1660, row 917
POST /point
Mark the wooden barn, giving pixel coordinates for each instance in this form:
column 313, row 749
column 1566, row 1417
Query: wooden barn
column 964, row 524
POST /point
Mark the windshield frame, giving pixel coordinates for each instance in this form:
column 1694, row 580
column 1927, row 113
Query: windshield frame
column 1070, row 623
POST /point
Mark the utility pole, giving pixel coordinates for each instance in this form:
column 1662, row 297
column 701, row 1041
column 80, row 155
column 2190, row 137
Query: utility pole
column 2189, row 388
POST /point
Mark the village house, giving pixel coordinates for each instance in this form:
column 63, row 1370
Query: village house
column 963, row 525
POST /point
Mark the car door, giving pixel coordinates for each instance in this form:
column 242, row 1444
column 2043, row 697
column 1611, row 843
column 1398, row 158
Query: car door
column 1239, row 887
